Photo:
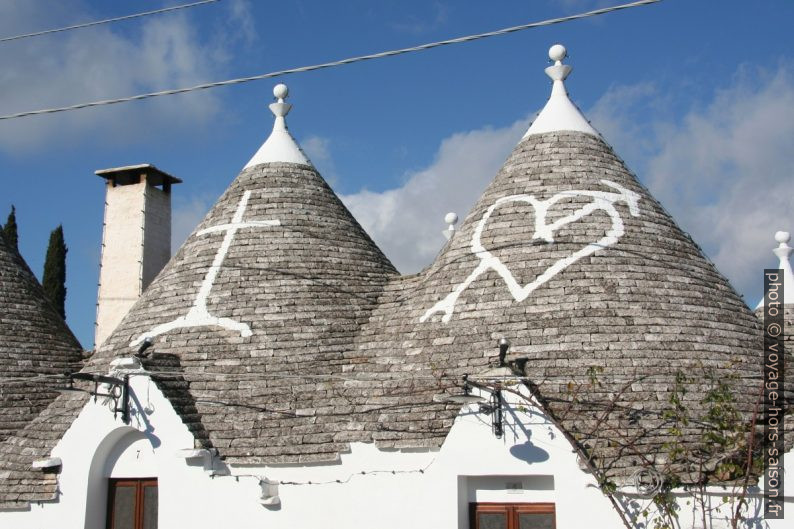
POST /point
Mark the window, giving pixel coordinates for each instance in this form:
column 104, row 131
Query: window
column 132, row 503
column 512, row 515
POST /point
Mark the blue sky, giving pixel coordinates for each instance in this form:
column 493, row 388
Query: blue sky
column 697, row 97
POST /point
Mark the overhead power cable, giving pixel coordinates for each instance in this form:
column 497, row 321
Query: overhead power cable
column 332, row 64
column 107, row 20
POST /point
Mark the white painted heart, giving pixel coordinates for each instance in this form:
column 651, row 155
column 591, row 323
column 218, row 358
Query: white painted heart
column 601, row 200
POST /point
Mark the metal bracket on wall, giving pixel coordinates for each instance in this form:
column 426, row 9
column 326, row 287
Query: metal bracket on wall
column 494, row 407
column 119, row 390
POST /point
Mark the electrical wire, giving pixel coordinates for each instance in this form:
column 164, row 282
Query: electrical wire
column 332, row 64
column 105, row 21
column 260, row 376
column 241, row 377
column 328, row 482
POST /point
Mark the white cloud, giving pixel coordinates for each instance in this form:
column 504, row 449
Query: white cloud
column 423, row 24
column 243, row 19
column 102, row 62
column 628, row 117
column 238, row 29
column 318, row 149
column 725, row 171
column 407, row 222
column 186, row 215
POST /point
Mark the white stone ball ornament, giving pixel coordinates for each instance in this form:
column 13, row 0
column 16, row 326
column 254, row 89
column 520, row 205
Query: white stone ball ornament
column 782, row 237
column 451, row 218
column 280, row 91
column 557, row 53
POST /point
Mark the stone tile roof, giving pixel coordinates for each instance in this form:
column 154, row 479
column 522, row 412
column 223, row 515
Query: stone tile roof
column 306, row 339
column 641, row 307
column 618, row 323
column 303, row 287
column 34, row 341
column 20, row 484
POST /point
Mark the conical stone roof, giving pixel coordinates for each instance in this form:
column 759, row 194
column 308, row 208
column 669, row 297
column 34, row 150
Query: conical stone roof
column 615, row 309
column 34, row 342
column 249, row 323
column 274, row 284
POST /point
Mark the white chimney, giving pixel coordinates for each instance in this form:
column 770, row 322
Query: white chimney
column 136, row 240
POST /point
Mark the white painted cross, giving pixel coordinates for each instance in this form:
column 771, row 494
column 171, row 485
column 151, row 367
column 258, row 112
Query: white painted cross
column 198, row 315
column 601, row 200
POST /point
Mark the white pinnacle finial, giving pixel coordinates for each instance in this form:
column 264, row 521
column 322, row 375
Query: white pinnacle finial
column 280, row 92
column 557, row 53
column 783, row 252
column 559, row 113
column 559, row 71
column 280, row 146
column 280, row 109
column 450, row 218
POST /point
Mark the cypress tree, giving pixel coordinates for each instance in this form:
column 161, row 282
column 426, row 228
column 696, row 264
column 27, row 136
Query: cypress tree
column 10, row 230
column 54, row 279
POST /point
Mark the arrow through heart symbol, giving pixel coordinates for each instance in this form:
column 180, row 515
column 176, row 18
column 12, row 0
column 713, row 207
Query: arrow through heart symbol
column 601, row 200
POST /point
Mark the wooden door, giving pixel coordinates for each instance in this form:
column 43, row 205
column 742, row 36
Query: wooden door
column 132, row 503
column 512, row 516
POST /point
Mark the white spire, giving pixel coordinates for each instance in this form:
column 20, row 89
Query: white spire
column 783, row 252
column 559, row 113
column 280, row 145
column 451, row 219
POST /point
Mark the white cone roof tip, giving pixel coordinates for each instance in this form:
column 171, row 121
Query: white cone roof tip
column 783, row 252
column 559, row 113
column 280, row 146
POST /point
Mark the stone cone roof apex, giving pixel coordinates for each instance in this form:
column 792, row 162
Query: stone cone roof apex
column 559, row 114
column 280, row 146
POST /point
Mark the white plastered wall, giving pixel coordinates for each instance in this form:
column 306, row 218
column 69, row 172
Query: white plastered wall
column 471, row 466
column 98, row 446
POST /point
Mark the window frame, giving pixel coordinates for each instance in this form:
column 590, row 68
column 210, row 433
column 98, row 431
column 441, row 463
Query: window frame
column 140, row 484
column 511, row 511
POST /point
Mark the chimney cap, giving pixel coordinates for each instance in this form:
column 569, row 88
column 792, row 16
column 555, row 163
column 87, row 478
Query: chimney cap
column 154, row 175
